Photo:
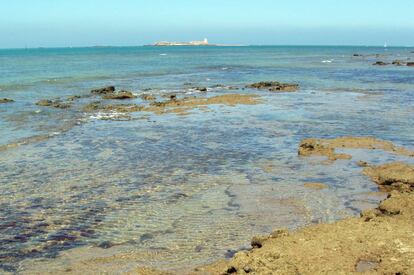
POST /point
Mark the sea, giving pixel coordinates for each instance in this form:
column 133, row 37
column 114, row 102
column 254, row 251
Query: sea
column 81, row 191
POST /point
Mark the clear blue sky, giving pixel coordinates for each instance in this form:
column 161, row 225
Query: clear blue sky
column 51, row 23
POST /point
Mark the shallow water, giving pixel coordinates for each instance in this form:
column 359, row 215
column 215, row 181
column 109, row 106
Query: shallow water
column 175, row 191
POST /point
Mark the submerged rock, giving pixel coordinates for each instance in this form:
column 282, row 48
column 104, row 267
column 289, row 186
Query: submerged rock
column 120, row 108
column 74, row 97
column 274, row 86
column 379, row 242
column 53, row 103
column 316, row 185
column 119, row 95
column 105, row 244
column 6, row 100
column 105, row 90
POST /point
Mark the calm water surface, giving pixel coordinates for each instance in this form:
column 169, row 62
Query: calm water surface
column 177, row 191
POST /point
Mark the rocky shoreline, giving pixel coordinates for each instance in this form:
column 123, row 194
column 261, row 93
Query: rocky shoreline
column 380, row 241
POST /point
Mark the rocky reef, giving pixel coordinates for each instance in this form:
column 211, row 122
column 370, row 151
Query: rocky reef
column 326, row 147
column 274, row 86
column 379, row 242
column 392, row 176
column 119, row 95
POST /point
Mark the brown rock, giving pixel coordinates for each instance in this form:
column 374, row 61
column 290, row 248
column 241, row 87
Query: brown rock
column 53, row 103
column 274, row 86
column 147, row 97
column 6, row 100
column 105, row 90
column 326, row 147
column 392, row 176
column 119, row 95
column 410, row 64
column 362, row 163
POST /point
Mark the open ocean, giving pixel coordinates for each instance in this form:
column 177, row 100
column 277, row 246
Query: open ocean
column 174, row 190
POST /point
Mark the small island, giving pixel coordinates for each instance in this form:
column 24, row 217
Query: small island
column 191, row 43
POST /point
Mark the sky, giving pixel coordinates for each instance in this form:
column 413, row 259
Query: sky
column 70, row 23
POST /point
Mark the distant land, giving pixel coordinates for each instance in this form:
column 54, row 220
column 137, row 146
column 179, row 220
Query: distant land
column 191, row 43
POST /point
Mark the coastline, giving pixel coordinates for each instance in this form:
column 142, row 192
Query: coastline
column 380, row 241
column 255, row 175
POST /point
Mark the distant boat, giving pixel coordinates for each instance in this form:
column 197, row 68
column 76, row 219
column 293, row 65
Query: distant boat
column 385, row 45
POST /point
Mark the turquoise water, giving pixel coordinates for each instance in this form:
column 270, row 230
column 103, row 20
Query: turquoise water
column 176, row 191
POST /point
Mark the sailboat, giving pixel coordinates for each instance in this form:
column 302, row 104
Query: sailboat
column 385, row 45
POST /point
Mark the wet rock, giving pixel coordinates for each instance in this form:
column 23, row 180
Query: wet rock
column 274, row 86
column 53, row 103
column 231, row 270
column 326, row 147
column 380, row 63
column 146, row 237
column 410, row 64
column 398, row 63
column 105, row 90
column 147, row 97
column 392, row 176
column 74, row 97
column 6, row 100
column 201, row 89
column 105, row 244
column 120, row 108
column 357, row 54
column 198, row 248
column 119, row 95
column 258, row 241
column 362, row 163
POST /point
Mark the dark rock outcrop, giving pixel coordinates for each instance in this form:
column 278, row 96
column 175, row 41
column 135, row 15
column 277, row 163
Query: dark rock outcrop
column 380, row 63
column 274, row 86
column 410, row 64
column 119, row 95
column 105, row 90
column 6, row 100
column 398, row 63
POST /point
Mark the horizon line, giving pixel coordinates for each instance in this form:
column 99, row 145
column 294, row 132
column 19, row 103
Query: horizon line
column 207, row 46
